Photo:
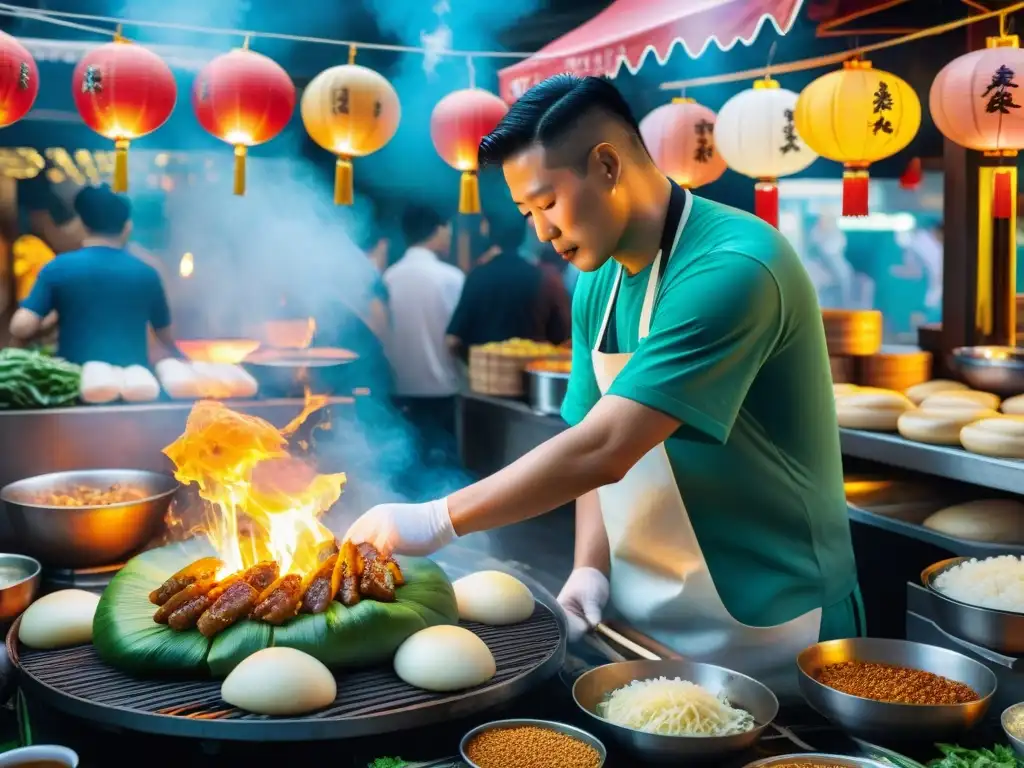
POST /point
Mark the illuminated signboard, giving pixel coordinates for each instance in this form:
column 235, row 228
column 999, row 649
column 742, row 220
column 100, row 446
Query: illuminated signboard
column 81, row 167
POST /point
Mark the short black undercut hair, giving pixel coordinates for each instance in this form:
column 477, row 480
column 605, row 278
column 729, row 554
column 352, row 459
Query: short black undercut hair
column 548, row 111
column 103, row 212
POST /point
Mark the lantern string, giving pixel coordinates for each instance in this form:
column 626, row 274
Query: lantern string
column 832, row 59
column 771, row 58
column 472, row 71
column 59, row 18
column 351, row 55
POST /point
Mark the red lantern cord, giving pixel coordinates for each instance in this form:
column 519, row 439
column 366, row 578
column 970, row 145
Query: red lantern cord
column 855, row 190
column 1002, row 199
column 766, row 201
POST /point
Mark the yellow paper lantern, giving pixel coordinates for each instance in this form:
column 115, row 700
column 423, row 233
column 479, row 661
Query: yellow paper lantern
column 350, row 111
column 857, row 116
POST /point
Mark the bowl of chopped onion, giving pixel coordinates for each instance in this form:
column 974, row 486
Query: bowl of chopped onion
column 664, row 710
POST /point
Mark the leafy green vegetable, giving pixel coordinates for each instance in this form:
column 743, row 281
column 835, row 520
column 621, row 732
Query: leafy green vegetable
column 1000, row 756
column 388, row 762
column 30, row 379
column 125, row 635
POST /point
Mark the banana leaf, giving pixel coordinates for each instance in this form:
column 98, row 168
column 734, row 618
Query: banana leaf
column 126, row 637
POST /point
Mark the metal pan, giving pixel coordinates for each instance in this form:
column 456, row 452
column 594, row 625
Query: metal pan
column 816, row 759
column 744, row 692
column 1001, row 631
column 290, row 372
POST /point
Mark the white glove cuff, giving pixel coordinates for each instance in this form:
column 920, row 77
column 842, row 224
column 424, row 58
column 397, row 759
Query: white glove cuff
column 441, row 521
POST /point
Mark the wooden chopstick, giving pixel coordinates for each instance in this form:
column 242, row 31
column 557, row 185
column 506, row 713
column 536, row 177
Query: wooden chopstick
column 625, row 642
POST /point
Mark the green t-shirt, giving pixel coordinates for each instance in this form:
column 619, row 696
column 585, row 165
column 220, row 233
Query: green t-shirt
column 737, row 353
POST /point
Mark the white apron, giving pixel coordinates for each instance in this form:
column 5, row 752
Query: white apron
column 660, row 583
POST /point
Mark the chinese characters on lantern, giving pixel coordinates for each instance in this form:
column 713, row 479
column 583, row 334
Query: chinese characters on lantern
column 24, row 75
column 705, row 149
column 789, row 134
column 93, row 81
column 1001, row 99
column 340, row 99
column 377, row 107
column 881, row 104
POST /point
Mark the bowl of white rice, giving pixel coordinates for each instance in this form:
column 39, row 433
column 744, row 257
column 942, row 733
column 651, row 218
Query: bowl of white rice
column 665, row 710
column 981, row 601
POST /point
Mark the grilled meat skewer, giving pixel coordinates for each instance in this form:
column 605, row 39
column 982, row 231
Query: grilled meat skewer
column 192, row 591
column 322, row 588
column 281, row 601
column 236, row 603
column 200, row 570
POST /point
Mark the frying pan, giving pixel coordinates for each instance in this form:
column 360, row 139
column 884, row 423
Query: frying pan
column 289, row 372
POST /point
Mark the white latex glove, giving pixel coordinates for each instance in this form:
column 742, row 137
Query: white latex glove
column 583, row 599
column 405, row 529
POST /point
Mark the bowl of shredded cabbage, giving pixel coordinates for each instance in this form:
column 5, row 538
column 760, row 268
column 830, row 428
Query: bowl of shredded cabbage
column 670, row 709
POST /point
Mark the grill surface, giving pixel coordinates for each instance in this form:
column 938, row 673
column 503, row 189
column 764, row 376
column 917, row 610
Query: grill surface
column 369, row 701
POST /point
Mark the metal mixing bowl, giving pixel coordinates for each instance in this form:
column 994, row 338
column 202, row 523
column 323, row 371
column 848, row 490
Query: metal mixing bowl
column 743, row 692
column 83, row 537
column 568, row 730
column 999, row 630
column 880, row 721
column 18, row 592
column 812, row 759
column 991, row 369
column 1015, row 741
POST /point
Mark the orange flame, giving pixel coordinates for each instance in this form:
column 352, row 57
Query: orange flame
column 261, row 502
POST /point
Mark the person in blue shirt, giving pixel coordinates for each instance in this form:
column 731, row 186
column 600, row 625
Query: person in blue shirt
column 105, row 299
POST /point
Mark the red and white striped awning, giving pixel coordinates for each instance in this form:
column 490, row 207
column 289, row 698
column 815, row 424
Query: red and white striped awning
column 627, row 30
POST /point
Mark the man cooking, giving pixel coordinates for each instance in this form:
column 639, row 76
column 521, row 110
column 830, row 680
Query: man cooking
column 105, row 299
column 703, row 451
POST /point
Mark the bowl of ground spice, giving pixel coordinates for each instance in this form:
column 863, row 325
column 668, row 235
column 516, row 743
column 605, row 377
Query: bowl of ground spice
column 531, row 744
column 889, row 691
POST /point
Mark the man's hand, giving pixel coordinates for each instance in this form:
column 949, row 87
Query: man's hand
column 583, row 599
column 405, row 529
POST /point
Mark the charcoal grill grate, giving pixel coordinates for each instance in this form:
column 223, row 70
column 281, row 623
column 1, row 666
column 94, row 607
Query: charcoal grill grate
column 369, row 701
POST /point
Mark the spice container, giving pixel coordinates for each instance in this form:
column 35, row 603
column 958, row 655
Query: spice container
column 1012, row 721
column 531, row 744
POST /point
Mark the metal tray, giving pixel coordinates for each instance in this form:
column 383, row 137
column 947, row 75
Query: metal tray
column 998, row 630
column 961, row 547
column 370, row 701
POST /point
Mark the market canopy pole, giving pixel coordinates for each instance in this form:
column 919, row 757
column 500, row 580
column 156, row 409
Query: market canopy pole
column 833, row 59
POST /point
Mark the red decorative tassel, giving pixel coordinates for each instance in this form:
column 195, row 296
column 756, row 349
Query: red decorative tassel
column 766, row 201
column 855, row 191
column 1002, row 200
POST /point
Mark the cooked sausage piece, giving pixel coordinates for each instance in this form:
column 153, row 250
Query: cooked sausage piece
column 192, row 591
column 186, row 616
column 327, row 550
column 377, row 583
column 199, row 570
column 281, row 602
column 321, row 590
column 234, row 604
column 346, row 574
column 262, row 575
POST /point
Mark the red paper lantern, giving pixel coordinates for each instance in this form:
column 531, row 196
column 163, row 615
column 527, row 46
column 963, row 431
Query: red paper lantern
column 19, row 80
column 457, row 124
column 123, row 92
column 681, row 138
column 245, row 99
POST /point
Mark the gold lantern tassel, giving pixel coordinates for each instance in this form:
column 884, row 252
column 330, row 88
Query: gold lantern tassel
column 121, row 165
column 469, row 193
column 240, row 152
column 344, row 193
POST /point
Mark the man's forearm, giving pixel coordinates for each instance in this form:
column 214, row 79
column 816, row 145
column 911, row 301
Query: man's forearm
column 591, row 537
column 554, row 473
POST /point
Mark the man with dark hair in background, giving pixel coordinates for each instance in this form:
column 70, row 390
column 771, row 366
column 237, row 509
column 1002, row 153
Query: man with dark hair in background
column 703, row 449
column 105, row 298
column 423, row 291
column 505, row 297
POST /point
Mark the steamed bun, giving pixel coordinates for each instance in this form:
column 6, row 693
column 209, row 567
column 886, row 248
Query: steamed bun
column 279, row 681
column 59, row 620
column 493, row 597
column 444, row 658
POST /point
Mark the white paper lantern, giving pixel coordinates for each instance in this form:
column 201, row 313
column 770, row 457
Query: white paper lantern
column 757, row 137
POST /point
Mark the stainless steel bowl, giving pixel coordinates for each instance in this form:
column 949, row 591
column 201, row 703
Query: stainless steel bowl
column 743, row 692
column 547, row 390
column 881, row 721
column 999, row 630
column 550, row 725
column 991, row 369
column 811, row 759
column 82, row 537
column 18, row 592
column 1015, row 741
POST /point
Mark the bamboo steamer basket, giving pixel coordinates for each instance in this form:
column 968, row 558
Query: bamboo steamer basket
column 499, row 373
column 895, row 368
column 844, row 369
column 852, row 331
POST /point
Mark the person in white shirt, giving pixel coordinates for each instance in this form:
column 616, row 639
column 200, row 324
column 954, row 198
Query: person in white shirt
column 424, row 291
